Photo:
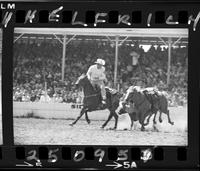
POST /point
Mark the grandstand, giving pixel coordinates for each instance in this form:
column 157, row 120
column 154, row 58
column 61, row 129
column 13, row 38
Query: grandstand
column 44, row 57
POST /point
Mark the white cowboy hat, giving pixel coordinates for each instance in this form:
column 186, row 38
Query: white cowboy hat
column 100, row 61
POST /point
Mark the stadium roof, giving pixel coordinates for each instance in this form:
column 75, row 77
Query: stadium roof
column 130, row 32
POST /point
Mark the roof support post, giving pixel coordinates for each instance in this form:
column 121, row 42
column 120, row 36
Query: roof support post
column 169, row 60
column 63, row 57
column 116, row 60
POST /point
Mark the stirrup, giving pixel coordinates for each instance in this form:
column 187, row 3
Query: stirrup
column 103, row 101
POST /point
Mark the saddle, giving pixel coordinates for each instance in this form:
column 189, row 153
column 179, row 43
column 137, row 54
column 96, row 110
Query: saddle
column 152, row 96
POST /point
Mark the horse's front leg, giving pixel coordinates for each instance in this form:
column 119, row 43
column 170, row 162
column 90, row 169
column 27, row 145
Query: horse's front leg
column 169, row 119
column 116, row 119
column 109, row 118
column 81, row 114
column 87, row 118
column 160, row 117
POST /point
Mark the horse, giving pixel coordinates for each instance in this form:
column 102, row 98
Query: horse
column 156, row 101
column 92, row 100
column 159, row 103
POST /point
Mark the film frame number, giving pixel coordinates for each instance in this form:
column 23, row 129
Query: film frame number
column 32, row 156
column 52, row 157
column 99, row 153
column 80, row 155
column 122, row 155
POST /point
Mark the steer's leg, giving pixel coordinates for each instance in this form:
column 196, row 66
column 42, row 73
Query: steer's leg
column 131, row 117
column 148, row 119
column 142, row 118
column 150, row 114
column 141, row 121
column 81, row 114
column 142, row 127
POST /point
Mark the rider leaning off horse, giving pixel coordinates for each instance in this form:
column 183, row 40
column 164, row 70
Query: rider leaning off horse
column 97, row 77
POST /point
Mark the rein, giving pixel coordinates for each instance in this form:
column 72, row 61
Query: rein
column 91, row 95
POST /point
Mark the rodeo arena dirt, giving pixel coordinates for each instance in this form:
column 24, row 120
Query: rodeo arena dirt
column 48, row 100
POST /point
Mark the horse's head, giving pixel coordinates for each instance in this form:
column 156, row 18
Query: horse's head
column 81, row 81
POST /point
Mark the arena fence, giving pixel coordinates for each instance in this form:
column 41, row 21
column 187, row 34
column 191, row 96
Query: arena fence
column 53, row 110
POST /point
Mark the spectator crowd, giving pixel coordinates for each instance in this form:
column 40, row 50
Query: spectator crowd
column 37, row 69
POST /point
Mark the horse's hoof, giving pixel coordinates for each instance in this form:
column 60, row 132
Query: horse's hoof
column 71, row 124
column 160, row 120
column 142, row 129
column 155, row 129
column 88, row 122
column 154, row 122
column 112, row 128
column 172, row 123
column 102, row 127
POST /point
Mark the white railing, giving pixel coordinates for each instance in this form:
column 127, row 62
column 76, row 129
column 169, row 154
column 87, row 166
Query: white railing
column 53, row 110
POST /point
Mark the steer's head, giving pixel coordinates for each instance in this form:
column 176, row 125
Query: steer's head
column 127, row 104
column 126, row 108
column 122, row 108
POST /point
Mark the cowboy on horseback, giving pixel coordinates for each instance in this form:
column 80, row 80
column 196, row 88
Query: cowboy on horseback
column 151, row 94
column 97, row 77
